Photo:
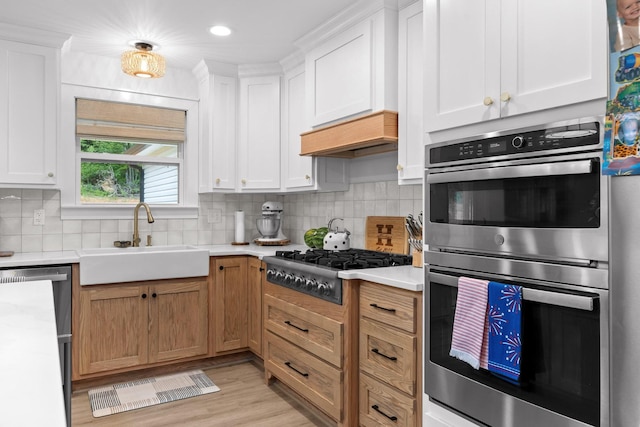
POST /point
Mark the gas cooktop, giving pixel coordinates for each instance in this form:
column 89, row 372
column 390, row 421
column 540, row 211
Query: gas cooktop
column 315, row 272
column 349, row 259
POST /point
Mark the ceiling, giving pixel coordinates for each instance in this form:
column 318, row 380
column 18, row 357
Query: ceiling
column 263, row 31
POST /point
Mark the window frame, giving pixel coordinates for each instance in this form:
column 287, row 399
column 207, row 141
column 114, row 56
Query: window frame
column 70, row 156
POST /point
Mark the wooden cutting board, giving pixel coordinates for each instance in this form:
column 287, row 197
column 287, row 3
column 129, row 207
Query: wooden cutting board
column 386, row 234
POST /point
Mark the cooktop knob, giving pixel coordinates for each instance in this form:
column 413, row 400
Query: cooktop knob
column 311, row 284
column 271, row 273
column 298, row 282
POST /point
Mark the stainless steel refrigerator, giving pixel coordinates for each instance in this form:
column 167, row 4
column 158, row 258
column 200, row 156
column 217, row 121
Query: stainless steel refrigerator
column 624, row 346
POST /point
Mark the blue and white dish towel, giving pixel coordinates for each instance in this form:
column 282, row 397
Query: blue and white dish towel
column 504, row 319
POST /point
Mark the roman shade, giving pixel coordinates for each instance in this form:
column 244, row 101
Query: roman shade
column 128, row 122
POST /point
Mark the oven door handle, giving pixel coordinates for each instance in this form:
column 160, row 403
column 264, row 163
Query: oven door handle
column 578, row 302
column 578, row 167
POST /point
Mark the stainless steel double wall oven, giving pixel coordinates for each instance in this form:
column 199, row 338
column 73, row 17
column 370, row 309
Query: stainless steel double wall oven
column 525, row 207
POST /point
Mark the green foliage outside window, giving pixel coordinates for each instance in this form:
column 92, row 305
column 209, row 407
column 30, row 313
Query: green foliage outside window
column 108, row 182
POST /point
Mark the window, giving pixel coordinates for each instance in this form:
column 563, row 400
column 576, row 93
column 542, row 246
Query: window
column 119, row 147
column 129, row 153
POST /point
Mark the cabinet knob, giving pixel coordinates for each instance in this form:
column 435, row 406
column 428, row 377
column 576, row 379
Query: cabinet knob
column 221, row 268
column 487, row 101
column 50, row 174
column 144, row 296
column 505, row 97
column 217, row 181
column 399, row 167
column 154, row 295
column 307, row 177
column 261, row 268
column 243, row 181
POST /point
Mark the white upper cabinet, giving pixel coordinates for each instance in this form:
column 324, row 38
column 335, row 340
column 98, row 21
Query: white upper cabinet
column 29, row 104
column 340, row 75
column 218, row 99
column 297, row 170
column 259, row 135
column 410, row 95
column 353, row 70
column 301, row 173
column 497, row 58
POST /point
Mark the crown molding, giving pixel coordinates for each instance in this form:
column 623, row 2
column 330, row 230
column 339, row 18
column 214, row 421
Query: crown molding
column 30, row 35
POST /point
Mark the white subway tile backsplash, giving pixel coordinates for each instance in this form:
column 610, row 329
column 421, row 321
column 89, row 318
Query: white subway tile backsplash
column 31, row 243
column 71, row 242
column 301, row 212
column 109, row 226
column 10, row 208
column 10, row 226
column 52, row 242
column 30, row 194
column 11, row 243
column 72, row 226
column 29, row 229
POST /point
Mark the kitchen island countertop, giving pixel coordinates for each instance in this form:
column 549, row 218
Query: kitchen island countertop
column 29, row 365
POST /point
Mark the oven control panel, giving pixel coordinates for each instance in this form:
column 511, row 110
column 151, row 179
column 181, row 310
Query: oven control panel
column 553, row 138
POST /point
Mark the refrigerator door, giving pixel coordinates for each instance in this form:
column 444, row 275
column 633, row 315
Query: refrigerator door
column 624, row 300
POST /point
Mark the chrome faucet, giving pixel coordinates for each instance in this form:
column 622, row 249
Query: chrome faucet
column 136, row 235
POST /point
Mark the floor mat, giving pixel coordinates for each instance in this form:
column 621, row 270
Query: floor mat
column 149, row 391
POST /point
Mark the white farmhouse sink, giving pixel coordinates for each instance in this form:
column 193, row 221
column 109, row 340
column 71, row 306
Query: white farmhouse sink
column 114, row 265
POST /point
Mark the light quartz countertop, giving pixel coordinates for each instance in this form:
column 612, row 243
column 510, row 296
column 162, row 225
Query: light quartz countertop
column 31, row 392
column 405, row 277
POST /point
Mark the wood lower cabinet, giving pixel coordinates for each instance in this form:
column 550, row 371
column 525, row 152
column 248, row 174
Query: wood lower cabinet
column 255, row 274
column 122, row 326
column 229, row 303
column 390, row 356
column 311, row 346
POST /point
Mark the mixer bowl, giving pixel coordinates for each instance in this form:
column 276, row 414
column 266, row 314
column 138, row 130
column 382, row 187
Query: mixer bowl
column 268, row 226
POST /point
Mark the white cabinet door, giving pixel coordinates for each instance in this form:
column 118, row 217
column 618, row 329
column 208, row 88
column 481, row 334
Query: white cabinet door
column 462, row 62
column 410, row 95
column 223, row 155
column 339, row 75
column 511, row 57
column 553, row 53
column 302, row 173
column 29, row 88
column 259, row 142
column 297, row 170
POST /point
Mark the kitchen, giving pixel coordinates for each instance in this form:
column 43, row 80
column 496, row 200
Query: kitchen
column 312, row 190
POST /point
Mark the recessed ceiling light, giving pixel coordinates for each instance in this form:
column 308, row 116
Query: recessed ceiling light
column 220, row 30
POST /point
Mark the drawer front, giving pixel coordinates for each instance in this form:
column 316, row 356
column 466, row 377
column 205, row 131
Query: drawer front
column 312, row 378
column 380, row 405
column 388, row 355
column 313, row 332
column 385, row 304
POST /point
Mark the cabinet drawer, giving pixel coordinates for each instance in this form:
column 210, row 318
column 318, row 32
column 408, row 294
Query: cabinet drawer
column 314, row 379
column 392, row 306
column 313, row 332
column 388, row 355
column 381, row 405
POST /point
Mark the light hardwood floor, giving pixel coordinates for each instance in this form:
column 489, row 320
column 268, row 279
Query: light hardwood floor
column 243, row 400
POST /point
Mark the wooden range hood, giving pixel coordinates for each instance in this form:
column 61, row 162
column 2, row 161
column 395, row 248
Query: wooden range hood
column 371, row 134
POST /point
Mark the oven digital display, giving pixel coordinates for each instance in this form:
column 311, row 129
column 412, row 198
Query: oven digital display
column 497, row 147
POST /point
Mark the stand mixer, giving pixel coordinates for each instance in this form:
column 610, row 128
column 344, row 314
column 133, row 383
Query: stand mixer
column 270, row 225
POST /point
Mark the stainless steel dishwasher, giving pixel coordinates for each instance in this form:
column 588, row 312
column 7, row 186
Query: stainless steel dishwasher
column 60, row 277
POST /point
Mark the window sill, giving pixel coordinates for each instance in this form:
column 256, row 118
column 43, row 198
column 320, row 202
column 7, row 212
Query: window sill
column 126, row 212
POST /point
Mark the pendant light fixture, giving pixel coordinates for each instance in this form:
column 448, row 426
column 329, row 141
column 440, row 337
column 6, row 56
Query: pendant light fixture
column 143, row 62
